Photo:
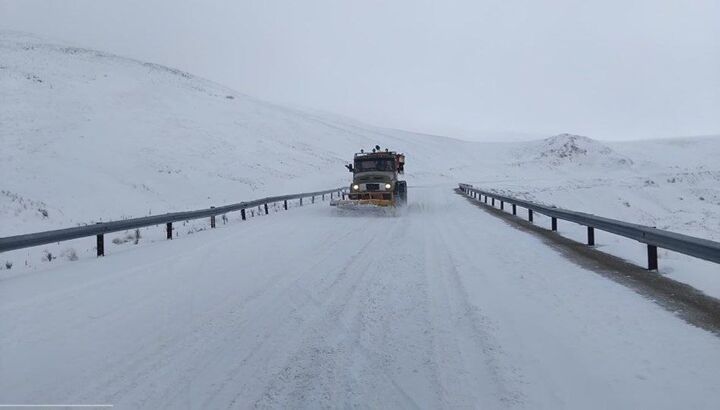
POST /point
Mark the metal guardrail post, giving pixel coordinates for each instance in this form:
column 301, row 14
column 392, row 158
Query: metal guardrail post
column 100, row 244
column 502, row 205
column 285, row 204
column 212, row 219
column 652, row 257
column 514, row 209
column 312, row 201
column 530, row 215
column 242, row 214
column 553, row 223
column 300, row 201
column 169, row 230
column 266, row 208
column 590, row 236
column 493, row 202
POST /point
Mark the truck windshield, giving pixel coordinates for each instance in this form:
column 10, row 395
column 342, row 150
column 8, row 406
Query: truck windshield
column 374, row 164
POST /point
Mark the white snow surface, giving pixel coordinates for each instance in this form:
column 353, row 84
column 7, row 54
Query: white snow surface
column 87, row 136
column 672, row 184
column 441, row 306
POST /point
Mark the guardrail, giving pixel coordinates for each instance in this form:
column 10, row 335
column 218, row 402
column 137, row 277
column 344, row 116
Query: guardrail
column 653, row 237
column 99, row 229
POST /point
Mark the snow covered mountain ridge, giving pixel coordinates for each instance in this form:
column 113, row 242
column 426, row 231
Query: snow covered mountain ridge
column 570, row 150
column 89, row 136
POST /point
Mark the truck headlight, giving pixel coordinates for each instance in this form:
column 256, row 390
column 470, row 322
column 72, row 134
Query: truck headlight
column 388, row 186
column 356, row 187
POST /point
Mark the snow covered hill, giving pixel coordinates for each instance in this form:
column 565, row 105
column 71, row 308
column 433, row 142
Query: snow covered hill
column 567, row 150
column 671, row 184
column 88, row 136
column 445, row 306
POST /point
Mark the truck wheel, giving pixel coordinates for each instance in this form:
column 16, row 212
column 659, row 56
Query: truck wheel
column 402, row 192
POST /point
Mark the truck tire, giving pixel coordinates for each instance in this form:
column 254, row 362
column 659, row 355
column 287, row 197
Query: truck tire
column 401, row 188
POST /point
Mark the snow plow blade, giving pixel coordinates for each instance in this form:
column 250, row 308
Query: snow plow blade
column 362, row 203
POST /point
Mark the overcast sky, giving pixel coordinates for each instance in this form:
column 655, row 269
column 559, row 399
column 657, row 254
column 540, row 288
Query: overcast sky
column 610, row 69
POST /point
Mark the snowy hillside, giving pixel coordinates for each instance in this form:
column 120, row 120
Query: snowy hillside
column 567, row 150
column 442, row 306
column 90, row 136
column 671, row 184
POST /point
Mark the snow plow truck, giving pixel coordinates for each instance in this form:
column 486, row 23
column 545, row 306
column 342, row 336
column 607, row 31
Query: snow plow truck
column 376, row 180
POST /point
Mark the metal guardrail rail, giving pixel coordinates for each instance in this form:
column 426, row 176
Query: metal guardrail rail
column 653, row 237
column 99, row 229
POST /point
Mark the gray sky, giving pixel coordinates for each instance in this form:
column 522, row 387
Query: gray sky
column 610, row 69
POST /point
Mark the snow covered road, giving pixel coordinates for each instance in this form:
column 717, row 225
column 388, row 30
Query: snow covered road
column 442, row 306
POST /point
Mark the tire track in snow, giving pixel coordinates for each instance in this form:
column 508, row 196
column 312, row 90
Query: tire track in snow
column 265, row 308
column 214, row 327
column 409, row 325
column 290, row 317
column 468, row 319
column 312, row 373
